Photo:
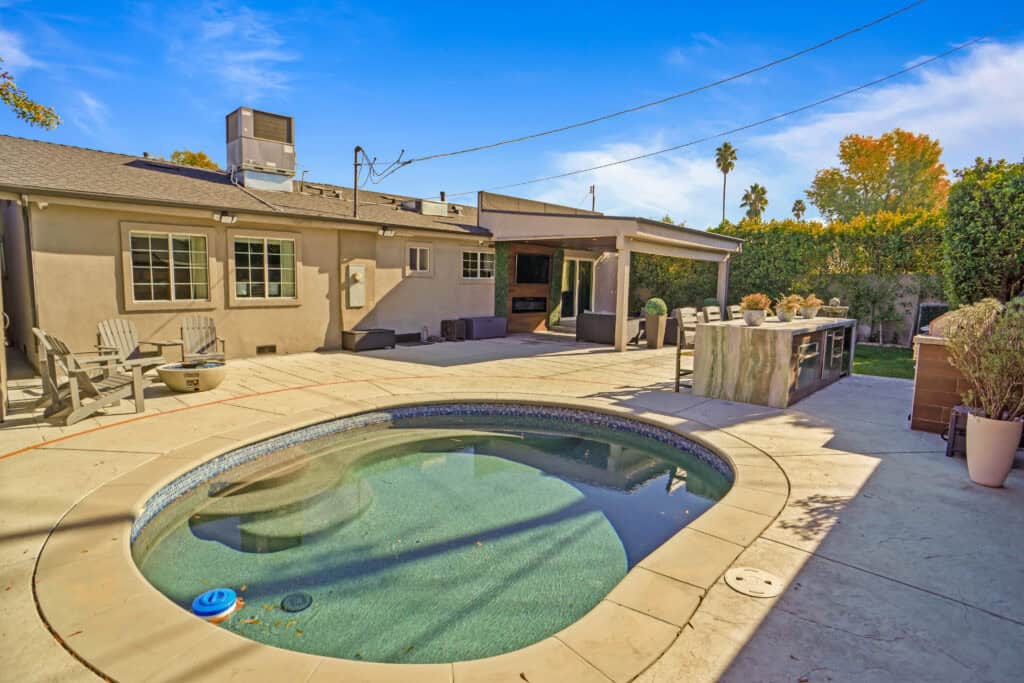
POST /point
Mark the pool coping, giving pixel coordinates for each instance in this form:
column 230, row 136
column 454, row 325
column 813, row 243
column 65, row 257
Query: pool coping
column 95, row 601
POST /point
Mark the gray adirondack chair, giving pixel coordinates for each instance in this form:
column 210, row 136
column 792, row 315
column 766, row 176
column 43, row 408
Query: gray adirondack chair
column 200, row 341
column 94, row 382
column 119, row 336
column 712, row 314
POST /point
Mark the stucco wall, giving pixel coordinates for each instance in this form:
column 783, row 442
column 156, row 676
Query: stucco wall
column 17, row 289
column 604, row 283
column 80, row 281
column 408, row 302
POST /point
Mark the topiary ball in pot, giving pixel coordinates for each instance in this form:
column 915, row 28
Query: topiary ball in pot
column 655, row 322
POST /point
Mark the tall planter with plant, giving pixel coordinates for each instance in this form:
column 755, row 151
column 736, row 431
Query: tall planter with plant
column 985, row 342
column 787, row 306
column 655, row 322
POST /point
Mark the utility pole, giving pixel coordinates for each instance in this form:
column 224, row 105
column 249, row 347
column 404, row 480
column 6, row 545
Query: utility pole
column 593, row 197
column 355, row 180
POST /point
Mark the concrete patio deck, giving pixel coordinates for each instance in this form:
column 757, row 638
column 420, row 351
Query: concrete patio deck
column 896, row 566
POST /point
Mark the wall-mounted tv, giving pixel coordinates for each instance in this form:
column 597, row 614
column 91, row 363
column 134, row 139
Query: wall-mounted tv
column 533, row 269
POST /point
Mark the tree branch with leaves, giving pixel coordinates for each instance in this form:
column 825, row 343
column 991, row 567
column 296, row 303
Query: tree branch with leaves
column 24, row 107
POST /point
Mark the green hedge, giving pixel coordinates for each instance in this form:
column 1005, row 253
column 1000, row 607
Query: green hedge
column 984, row 236
column 501, row 278
column 864, row 261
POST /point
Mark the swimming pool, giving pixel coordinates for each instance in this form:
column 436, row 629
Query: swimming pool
column 426, row 534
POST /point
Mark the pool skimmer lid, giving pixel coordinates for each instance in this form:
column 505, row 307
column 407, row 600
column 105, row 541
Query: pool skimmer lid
column 756, row 583
column 296, row 602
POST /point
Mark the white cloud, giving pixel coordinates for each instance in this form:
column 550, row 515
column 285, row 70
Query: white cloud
column 13, row 54
column 89, row 114
column 238, row 46
column 974, row 106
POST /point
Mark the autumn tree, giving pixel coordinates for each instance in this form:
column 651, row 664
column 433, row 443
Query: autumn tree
column 897, row 171
column 190, row 158
column 24, row 107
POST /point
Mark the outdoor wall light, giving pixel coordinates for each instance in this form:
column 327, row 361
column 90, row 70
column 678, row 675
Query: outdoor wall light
column 225, row 217
column 386, row 232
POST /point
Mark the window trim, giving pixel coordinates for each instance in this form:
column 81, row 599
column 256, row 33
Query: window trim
column 168, row 229
column 409, row 272
column 235, row 301
column 462, row 259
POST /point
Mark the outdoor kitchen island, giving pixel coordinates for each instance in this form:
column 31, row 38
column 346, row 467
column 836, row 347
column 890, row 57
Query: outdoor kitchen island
column 774, row 364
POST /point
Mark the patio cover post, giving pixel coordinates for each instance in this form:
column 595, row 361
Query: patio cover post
column 621, row 295
column 722, row 293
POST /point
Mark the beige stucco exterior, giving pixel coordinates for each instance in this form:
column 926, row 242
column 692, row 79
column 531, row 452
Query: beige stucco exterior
column 81, row 270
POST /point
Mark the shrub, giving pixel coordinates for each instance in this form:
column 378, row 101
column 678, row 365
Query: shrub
column 755, row 302
column 983, row 243
column 655, row 306
column 985, row 342
column 812, row 301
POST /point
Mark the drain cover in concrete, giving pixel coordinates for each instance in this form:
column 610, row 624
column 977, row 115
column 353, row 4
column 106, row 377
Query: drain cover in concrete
column 756, row 583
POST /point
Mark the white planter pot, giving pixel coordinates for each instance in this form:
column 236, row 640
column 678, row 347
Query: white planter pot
column 991, row 446
column 809, row 311
column 754, row 318
column 785, row 314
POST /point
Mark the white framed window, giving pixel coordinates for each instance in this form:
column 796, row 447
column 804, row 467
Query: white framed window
column 264, row 268
column 168, row 266
column 419, row 260
column 478, row 265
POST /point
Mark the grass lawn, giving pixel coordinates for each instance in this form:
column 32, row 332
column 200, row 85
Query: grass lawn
column 883, row 361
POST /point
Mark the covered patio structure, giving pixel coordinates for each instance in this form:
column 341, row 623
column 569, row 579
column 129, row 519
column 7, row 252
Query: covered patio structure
column 525, row 227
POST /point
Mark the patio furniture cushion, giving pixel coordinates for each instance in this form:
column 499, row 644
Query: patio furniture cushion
column 486, row 327
column 368, row 340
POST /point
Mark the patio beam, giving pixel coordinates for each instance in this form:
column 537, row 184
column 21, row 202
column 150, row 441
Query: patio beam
column 722, row 291
column 622, row 295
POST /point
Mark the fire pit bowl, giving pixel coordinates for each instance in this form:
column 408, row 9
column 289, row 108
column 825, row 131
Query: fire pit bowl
column 191, row 377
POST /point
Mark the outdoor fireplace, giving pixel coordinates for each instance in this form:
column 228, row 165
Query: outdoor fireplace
column 529, row 304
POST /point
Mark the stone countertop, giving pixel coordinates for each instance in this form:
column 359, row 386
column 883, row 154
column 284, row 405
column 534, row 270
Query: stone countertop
column 928, row 339
column 795, row 326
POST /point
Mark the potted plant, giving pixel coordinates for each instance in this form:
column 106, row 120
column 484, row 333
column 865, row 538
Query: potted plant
column 655, row 321
column 810, row 306
column 755, row 308
column 985, row 342
column 787, row 306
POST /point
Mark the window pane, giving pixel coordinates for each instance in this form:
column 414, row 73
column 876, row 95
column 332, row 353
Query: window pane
column 162, row 292
column 241, row 289
column 287, row 247
column 182, row 276
column 182, row 291
column 257, row 289
column 140, row 258
column 424, row 264
column 143, row 293
column 412, row 258
column 140, row 276
column 200, row 291
column 161, row 276
column 179, row 243
column 181, row 258
column 273, row 275
column 198, row 244
column 274, row 289
column 288, row 289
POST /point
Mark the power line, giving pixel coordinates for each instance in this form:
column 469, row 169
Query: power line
column 670, row 98
column 732, row 131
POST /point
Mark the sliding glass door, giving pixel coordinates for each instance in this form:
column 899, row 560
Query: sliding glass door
column 577, row 287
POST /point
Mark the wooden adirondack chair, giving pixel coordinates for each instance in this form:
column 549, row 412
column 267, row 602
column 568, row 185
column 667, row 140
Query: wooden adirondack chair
column 120, row 337
column 199, row 340
column 93, row 382
column 734, row 312
column 712, row 314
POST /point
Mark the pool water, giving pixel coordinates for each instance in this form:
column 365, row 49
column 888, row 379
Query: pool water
column 431, row 539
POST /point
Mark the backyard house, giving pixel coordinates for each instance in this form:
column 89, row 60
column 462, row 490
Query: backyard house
column 285, row 265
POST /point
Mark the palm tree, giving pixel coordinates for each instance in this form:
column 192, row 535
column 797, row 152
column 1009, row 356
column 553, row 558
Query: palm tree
column 799, row 208
column 755, row 200
column 725, row 159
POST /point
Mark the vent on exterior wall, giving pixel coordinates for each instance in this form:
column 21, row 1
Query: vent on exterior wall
column 261, row 144
column 268, row 348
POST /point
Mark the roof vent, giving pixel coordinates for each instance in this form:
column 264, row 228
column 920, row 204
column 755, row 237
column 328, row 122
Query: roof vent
column 426, row 207
column 261, row 147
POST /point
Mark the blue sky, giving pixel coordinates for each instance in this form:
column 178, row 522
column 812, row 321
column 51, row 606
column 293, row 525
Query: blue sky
column 428, row 77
